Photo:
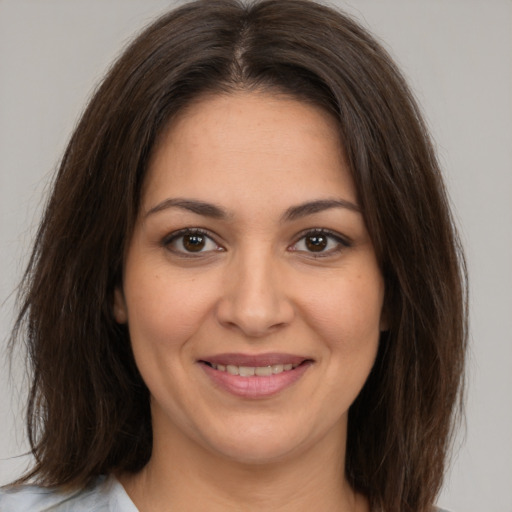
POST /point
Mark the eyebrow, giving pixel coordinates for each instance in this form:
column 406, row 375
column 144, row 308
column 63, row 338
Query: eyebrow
column 192, row 205
column 311, row 207
column 216, row 212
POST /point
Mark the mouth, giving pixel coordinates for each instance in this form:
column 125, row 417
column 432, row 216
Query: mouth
column 255, row 376
column 253, row 371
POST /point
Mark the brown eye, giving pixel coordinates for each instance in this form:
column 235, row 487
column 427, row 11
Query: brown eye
column 194, row 243
column 190, row 241
column 316, row 243
column 320, row 242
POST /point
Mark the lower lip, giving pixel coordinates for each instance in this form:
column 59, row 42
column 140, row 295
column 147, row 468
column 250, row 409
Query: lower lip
column 255, row 386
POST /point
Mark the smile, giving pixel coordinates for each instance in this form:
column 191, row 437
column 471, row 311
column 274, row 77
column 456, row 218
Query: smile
column 251, row 371
column 255, row 377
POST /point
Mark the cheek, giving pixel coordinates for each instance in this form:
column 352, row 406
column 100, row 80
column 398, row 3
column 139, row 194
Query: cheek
column 347, row 313
column 344, row 315
column 164, row 313
column 163, row 310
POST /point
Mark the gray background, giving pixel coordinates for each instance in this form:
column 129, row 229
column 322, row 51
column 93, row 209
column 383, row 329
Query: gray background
column 457, row 55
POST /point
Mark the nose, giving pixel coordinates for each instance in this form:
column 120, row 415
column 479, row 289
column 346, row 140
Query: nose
column 255, row 300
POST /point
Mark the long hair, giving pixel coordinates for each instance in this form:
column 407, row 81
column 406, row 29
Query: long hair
column 88, row 410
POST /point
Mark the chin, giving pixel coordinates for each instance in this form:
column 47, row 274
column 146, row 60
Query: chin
column 258, row 445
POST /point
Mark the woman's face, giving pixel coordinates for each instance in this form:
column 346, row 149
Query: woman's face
column 251, row 288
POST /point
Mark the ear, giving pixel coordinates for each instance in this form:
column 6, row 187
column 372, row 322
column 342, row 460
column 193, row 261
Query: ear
column 119, row 308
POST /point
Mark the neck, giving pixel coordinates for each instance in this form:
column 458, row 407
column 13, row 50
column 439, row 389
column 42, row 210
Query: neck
column 183, row 478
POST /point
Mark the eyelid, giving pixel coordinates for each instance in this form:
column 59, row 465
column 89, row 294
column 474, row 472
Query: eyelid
column 174, row 235
column 343, row 241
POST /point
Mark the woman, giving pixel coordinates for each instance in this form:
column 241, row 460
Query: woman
column 257, row 293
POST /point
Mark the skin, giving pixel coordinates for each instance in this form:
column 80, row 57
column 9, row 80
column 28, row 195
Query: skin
column 254, row 287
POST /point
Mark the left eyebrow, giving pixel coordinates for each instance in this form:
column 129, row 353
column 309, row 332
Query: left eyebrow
column 309, row 208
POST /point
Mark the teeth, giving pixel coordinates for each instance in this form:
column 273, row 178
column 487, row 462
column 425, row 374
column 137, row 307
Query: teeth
column 263, row 371
column 277, row 368
column 246, row 371
column 250, row 371
column 232, row 369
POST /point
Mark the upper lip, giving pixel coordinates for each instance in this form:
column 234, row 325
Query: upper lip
column 267, row 359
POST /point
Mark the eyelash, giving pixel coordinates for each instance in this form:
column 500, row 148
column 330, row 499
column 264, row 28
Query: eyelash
column 341, row 242
column 177, row 235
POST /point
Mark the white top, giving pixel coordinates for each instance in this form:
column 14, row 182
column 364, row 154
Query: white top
column 106, row 495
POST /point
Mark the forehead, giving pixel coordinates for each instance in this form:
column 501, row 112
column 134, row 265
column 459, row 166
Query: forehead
column 249, row 142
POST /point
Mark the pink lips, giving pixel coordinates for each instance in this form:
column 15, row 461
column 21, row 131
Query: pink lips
column 255, row 386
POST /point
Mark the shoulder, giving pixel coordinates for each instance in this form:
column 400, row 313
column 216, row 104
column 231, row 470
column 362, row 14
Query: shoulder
column 105, row 495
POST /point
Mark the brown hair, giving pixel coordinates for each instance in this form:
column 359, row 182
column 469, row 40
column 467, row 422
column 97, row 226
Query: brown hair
column 88, row 411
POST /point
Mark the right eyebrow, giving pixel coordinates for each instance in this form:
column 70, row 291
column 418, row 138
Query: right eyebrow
column 192, row 205
column 312, row 207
